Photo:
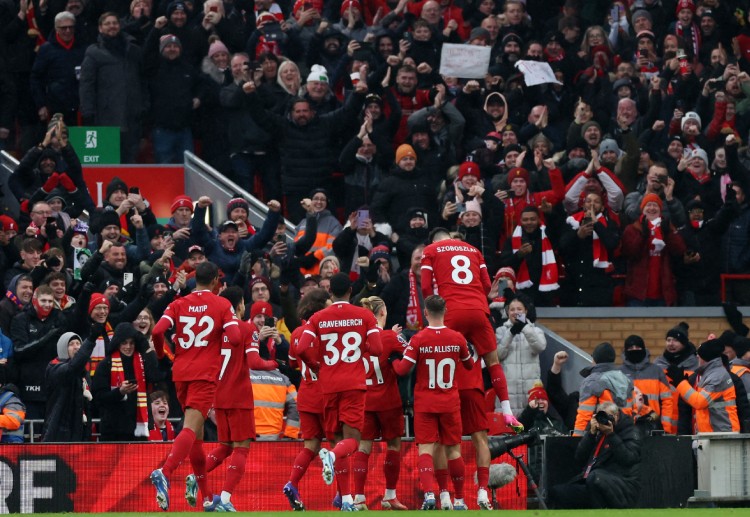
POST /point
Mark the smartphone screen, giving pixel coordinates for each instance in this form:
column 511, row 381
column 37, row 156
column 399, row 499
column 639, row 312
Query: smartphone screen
column 362, row 215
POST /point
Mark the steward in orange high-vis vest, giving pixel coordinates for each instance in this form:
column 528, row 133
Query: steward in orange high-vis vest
column 650, row 380
column 711, row 393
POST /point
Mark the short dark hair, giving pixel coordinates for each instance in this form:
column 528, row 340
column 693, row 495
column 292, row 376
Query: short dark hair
column 55, row 275
column 206, row 272
column 31, row 244
column 106, row 15
column 341, row 284
column 234, row 294
column 158, row 394
column 434, row 304
column 437, row 231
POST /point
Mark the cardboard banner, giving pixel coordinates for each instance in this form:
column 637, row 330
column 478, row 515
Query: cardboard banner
column 159, row 184
column 536, row 72
column 96, row 145
column 465, row 61
column 101, row 477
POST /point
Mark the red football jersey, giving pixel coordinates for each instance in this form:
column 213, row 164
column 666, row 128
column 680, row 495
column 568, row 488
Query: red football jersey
column 234, row 390
column 309, row 394
column 437, row 352
column 199, row 320
column 344, row 332
column 471, row 379
column 458, row 271
column 382, row 382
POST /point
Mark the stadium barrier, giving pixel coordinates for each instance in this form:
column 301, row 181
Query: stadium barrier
column 37, row 478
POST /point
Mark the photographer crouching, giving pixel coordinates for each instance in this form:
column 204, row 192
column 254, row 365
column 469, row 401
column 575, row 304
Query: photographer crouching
column 611, row 448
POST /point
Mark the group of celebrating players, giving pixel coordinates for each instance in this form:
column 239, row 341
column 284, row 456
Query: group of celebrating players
column 349, row 394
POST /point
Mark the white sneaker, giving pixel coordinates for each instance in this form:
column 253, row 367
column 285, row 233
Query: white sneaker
column 483, row 500
column 327, row 460
column 445, row 501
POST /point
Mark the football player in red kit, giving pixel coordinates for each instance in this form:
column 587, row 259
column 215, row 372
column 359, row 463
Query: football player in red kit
column 435, row 351
column 309, row 399
column 233, row 408
column 384, row 414
column 458, row 272
column 200, row 319
column 336, row 339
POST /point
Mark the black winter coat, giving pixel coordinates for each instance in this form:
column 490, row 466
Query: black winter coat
column 309, row 153
column 34, row 346
column 620, row 458
column 66, row 405
column 398, row 192
column 53, row 77
column 118, row 413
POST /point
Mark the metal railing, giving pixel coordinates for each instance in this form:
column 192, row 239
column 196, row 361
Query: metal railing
column 203, row 180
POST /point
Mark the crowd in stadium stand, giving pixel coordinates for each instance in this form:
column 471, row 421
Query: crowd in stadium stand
column 623, row 183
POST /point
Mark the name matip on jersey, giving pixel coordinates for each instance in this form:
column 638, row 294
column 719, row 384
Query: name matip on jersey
column 199, row 320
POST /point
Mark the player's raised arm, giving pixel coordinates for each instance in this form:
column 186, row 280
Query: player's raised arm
column 164, row 324
column 485, row 277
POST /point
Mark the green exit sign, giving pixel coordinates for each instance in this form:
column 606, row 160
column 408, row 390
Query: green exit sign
column 96, row 145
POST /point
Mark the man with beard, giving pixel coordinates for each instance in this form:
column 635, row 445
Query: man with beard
column 226, row 250
column 591, row 132
column 511, row 45
column 481, row 118
column 110, row 85
column 409, row 98
column 176, row 22
column 529, row 252
column 657, row 182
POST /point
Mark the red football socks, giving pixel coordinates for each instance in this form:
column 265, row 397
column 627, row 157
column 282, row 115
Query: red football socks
column 180, row 449
column 458, row 471
column 359, row 471
column 217, row 455
column 301, row 462
column 392, row 468
column 442, row 477
column 426, row 472
column 343, row 476
column 198, row 462
column 499, row 384
column 483, row 477
column 345, row 448
column 236, row 468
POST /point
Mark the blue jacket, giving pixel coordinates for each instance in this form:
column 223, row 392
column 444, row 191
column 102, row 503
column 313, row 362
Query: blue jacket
column 229, row 261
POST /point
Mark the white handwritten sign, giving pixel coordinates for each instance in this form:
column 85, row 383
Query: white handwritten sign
column 466, row 61
column 536, row 72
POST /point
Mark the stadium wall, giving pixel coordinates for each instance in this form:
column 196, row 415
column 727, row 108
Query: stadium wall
column 114, row 478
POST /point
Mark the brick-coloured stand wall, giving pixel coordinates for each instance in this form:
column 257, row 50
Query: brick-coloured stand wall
column 587, row 333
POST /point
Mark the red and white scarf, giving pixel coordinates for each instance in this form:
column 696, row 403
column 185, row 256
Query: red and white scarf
column 155, row 435
column 694, row 38
column 413, row 311
column 101, row 344
column 655, row 238
column 601, row 257
column 117, row 377
column 548, row 278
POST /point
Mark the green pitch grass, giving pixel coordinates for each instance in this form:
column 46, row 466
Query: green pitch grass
column 660, row 512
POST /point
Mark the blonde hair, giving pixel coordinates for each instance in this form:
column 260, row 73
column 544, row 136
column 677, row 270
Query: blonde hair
column 374, row 304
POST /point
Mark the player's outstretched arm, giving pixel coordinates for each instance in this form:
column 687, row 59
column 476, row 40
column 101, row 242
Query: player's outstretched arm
column 402, row 367
column 161, row 327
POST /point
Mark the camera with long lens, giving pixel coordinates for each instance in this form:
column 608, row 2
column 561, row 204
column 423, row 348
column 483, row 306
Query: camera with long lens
column 499, row 445
column 604, row 418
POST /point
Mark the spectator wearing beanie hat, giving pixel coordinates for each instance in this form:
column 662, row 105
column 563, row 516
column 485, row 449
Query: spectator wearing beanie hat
column 125, row 204
column 602, row 382
column 540, row 416
column 176, row 91
column 649, row 244
column 415, row 235
column 710, row 392
column 407, row 185
column 657, row 411
column 273, row 345
column 238, row 210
